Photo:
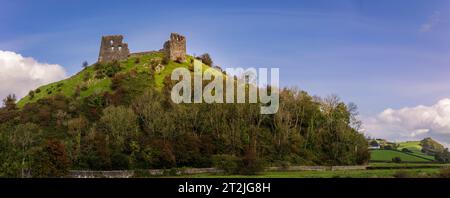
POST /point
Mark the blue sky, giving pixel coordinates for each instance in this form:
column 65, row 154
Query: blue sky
column 378, row 54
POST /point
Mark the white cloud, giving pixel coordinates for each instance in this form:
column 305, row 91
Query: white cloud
column 412, row 122
column 432, row 21
column 19, row 75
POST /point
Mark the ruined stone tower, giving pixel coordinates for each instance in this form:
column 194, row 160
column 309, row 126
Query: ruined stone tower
column 175, row 48
column 113, row 48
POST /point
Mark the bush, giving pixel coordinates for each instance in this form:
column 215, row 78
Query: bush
column 397, row 160
column 405, row 150
column 227, row 163
column 402, row 174
column 444, row 172
column 139, row 173
column 171, row 172
column 283, row 164
column 84, row 88
column 250, row 164
column 31, row 94
column 119, row 161
column 116, row 81
column 112, row 69
column 51, row 160
column 86, row 76
column 161, row 155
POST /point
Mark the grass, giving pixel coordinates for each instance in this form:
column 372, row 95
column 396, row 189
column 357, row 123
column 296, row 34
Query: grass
column 387, row 155
column 384, row 165
column 68, row 86
column 415, row 148
column 86, row 78
column 382, row 173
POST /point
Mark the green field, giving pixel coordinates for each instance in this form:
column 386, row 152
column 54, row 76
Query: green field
column 387, row 155
column 383, row 173
column 416, row 149
column 386, row 165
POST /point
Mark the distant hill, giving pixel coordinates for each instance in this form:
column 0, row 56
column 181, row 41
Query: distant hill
column 410, row 151
column 431, row 146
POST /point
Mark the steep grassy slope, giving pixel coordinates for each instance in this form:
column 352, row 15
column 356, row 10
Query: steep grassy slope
column 88, row 82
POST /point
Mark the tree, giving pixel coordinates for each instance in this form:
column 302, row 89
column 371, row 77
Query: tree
column 51, row 160
column 24, row 138
column 10, row 102
column 85, row 64
column 151, row 114
column 119, row 123
column 75, row 128
column 31, row 94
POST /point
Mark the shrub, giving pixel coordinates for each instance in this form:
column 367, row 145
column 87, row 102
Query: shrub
column 51, row 160
column 142, row 173
column 405, row 150
column 85, row 64
column 77, row 92
column 116, row 81
column 402, row 174
column 86, row 76
column 171, row 172
column 99, row 75
column 283, row 164
column 228, row 163
column 38, row 90
column 112, row 69
column 119, row 161
column 444, row 172
column 250, row 164
column 165, row 60
column 397, row 160
column 31, row 94
column 84, row 88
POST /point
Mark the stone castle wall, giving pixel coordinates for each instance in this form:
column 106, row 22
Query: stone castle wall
column 175, row 48
column 113, row 48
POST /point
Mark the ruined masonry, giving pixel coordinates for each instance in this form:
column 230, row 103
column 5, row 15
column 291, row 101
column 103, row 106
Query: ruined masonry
column 113, row 48
column 175, row 48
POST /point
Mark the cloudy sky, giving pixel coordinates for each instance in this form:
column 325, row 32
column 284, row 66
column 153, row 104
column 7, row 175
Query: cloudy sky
column 390, row 57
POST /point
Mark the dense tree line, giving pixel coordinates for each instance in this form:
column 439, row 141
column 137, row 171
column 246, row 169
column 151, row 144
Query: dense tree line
column 143, row 129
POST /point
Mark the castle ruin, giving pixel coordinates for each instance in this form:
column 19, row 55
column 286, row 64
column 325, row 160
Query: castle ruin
column 175, row 48
column 113, row 48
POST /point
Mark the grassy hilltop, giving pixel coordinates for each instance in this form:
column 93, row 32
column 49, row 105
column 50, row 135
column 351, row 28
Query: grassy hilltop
column 97, row 78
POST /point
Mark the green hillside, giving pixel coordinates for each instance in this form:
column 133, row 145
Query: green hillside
column 416, row 148
column 120, row 116
column 97, row 78
column 387, row 155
